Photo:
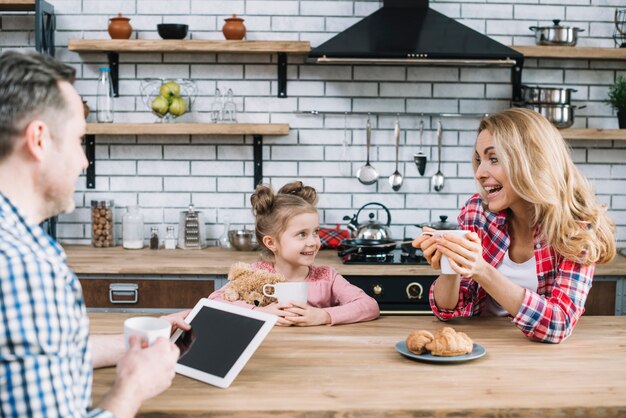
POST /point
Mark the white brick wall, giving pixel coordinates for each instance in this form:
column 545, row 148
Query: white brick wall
column 164, row 174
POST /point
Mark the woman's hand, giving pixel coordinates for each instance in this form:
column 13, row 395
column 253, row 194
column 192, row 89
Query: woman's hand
column 307, row 315
column 281, row 311
column 465, row 253
column 428, row 246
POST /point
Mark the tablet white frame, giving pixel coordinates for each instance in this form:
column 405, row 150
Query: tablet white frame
column 224, row 382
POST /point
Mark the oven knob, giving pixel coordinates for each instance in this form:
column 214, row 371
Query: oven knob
column 377, row 289
column 414, row 290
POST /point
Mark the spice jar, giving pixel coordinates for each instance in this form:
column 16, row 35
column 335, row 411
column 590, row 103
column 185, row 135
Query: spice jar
column 154, row 238
column 170, row 239
column 102, row 223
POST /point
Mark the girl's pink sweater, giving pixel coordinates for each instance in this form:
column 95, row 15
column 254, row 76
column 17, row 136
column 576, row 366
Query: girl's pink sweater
column 344, row 302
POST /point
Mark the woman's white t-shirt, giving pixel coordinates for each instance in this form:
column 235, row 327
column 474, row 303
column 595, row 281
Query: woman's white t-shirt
column 523, row 274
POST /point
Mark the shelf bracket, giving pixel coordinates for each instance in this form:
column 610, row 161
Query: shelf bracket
column 45, row 25
column 516, row 80
column 257, row 152
column 90, row 153
column 282, row 75
column 114, row 65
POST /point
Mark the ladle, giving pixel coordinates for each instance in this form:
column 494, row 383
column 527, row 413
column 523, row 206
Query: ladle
column 395, row 180
column 420, row 157
column 367, row 174
column 438, row 179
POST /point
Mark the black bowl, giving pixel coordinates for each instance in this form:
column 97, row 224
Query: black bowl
column 172, row 30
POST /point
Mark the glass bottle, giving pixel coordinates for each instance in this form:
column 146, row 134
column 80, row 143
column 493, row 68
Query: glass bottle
column 104, row 103
column 170, row 239
column 102, row 223
column 223, row 240
column 154, row 238
column 132, row 229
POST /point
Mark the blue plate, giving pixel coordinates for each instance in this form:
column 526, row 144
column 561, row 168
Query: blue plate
column 477, row 352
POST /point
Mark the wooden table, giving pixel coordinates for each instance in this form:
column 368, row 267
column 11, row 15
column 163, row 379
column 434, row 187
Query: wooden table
column 354, row 370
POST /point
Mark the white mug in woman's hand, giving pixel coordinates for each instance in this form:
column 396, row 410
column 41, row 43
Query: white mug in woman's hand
column 287, row 291
column 446, row 268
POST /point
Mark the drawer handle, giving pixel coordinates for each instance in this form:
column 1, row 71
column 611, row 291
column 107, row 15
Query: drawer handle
column 128, row 291
column 377, row 289
column 414, row 290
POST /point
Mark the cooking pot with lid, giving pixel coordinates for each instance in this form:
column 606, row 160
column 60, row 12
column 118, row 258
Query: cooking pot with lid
column 442, row 223
column 556, row 35
column 547, row 95
column 373, row 229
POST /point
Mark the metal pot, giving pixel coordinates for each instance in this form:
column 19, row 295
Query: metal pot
column 373, row 229
column 556, row 35
column 442, row 223
column 547, row 95
column 366, row 246
column 561, row 116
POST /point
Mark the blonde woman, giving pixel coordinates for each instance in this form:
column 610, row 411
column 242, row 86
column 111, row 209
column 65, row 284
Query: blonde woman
column 537, row 231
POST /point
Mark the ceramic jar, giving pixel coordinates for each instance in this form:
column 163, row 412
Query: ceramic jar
column 85, row 109
column 234, row 28
column 119, row 27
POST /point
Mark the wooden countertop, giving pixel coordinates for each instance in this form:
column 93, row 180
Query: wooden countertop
column 354, row 370
column 85, row 259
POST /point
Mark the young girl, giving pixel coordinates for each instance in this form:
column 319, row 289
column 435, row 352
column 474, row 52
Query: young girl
column 287, row 226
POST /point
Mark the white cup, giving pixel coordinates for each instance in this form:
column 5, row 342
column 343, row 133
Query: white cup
column 147, row 328
column 446, row 268
column 288, row 291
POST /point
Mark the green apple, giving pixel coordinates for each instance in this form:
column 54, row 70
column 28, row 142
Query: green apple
column 160, row 105
column 178, row 107
column 170, row 89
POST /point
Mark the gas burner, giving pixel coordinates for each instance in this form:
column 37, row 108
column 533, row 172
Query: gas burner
column 396, row 256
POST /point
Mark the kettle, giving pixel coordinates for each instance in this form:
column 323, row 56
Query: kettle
column 373, row 229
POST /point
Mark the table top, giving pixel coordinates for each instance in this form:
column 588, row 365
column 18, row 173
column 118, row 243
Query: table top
column 85, row 259
column 354, row 370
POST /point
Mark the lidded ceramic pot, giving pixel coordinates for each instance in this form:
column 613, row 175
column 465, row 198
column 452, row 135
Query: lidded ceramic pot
column 119, row 27
column 234, row 29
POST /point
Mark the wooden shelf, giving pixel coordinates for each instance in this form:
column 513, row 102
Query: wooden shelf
column 187, row 129
column 17, row 6
column 193, row 45
column 573, row 52
column 594, row 134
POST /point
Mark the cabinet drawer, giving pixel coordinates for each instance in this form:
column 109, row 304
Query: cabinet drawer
column 148, row 293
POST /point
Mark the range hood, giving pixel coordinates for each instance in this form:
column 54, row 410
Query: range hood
column 409, row 32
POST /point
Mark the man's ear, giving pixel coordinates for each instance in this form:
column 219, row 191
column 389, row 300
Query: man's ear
column 37, row 137
column 270, row 243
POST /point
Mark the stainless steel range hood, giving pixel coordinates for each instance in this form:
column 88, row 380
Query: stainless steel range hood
column 409, row 32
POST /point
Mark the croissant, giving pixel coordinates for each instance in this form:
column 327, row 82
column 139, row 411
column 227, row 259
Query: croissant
column 447, row 342
column 417, row 340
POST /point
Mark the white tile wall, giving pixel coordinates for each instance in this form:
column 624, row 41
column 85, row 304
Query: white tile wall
column 164, row 174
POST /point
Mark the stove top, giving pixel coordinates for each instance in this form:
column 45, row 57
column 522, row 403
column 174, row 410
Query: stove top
column 396, row 256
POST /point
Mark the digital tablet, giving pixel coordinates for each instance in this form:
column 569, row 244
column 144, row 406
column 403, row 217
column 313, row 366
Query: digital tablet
column 222, row 339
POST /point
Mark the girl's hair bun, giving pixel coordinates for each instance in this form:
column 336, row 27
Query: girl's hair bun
column 262, row 199
column 297, row 188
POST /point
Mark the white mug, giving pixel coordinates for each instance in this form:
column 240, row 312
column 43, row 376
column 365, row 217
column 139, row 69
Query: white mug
column 147, row 328
column 446, row 268
column 288, row 291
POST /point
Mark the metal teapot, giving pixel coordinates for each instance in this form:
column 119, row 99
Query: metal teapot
column 373, row 229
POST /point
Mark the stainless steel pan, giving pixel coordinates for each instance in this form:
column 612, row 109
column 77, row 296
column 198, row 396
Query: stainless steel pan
column 556, row 35
column 561, row 116
column 547, row 95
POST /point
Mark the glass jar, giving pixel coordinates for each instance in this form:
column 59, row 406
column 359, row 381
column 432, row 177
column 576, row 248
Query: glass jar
column 104, row 100
column 154, row 238
column 170, row 239
column 132, row 229
column 102, row 224
column 223, row 240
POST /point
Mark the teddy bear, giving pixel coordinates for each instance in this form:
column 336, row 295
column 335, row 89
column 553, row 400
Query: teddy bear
column 246, row 283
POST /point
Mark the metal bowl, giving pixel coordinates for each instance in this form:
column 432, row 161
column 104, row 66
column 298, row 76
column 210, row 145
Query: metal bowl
column 242, row 239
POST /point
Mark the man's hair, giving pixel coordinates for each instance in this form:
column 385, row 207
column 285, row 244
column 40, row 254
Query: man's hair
column 29, row 89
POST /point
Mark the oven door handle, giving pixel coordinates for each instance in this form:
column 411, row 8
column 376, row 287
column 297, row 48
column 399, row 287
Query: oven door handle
column 411, row 292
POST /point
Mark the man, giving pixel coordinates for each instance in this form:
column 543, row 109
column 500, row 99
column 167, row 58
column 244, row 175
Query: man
column 45, row 347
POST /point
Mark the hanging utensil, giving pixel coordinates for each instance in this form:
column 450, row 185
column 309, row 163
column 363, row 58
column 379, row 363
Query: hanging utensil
column 367, row 174
column 345, row 158
column 438, row 179
column 420, row 157
column 395, row 180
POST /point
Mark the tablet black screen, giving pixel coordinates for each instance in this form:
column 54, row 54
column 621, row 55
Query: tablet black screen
column 216, row 340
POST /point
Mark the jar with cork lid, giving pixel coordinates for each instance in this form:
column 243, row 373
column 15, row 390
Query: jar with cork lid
column 102, row 224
